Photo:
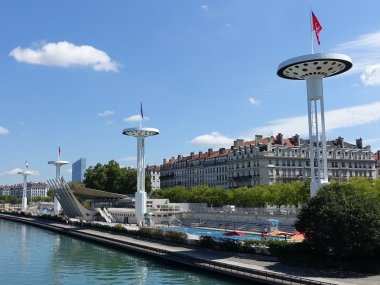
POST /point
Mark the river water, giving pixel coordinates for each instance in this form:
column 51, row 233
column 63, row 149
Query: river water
column 30, row 255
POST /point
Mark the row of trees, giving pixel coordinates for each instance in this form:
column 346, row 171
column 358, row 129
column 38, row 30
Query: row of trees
column 295, row 193
column 112, row 177
column 9, row 200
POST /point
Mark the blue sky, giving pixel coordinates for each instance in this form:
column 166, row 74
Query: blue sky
column 73, row 74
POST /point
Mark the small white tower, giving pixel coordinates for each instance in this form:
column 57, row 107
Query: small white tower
column 140, row 198
column 58, row 163
column 313, row 68
column 25, row 173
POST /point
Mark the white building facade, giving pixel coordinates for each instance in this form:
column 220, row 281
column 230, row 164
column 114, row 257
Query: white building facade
column 33, row 189
column 154, row 172
column 266, row 161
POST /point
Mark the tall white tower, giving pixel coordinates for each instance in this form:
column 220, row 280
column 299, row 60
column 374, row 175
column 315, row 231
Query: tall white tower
column 58, row 163
column 25, row 173
column 313, row 68
column 140, row 197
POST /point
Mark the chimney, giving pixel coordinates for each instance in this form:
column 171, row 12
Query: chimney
column 199, row 154
column 209, row 151
column 296, row 140
column 340, row 141
column 279, row 138
column 359, row 143
column 192, row 155
column 258, row 139
column 222, row 150
column 238, row 143
column 179, row 157
column 269, row 145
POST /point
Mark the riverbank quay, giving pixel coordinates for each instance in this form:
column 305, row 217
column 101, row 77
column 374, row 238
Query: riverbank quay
column 259, row 269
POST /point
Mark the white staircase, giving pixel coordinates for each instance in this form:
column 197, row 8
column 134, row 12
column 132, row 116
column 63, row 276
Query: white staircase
column 104, row 215
column 109, row 215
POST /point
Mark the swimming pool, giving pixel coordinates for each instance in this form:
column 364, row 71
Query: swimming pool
column 219, row 234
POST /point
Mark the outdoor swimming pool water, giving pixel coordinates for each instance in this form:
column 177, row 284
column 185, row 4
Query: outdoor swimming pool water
column 219, row 234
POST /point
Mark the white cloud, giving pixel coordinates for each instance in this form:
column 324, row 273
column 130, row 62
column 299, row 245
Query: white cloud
column 14, row 171
column 214, row 139
column 335, row 119
column 373, row 142
column 134, row 119
column 365, row 55
column 128, row 159
column 65, row 54
column 371, row 75
column 106, row 113
column 3, row 131
column 254, row 101
column 205, row 8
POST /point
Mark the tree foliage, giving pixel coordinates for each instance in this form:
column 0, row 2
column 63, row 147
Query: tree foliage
column 292, row 194
column 343, row 219
column 42, row 199
column 9, row 200
column 113, row 178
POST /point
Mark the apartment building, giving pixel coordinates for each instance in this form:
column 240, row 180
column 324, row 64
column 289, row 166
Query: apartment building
column 33, row 189
column 209, row 168
column 266, row 161
column 377, row 159
column 154, row 172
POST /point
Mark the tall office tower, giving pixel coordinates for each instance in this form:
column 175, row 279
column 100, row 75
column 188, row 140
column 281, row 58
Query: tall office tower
column 78, row 170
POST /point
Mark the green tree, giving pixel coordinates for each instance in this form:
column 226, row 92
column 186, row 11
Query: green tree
column 178, row 194
column 341, row 220
column 113, row 178
column 10, row 200
column 41, row 199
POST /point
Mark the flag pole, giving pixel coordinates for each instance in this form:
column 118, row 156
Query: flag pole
column 311, row 31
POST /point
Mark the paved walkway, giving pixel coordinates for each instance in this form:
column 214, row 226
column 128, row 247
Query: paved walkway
column 256, row 262
column 261, row 263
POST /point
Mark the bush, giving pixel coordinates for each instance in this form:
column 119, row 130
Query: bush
column 341, row 221
column 175, row 236
column 207, row 242
column 228, row 244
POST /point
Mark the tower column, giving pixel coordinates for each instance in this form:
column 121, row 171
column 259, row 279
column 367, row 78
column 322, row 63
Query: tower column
column 140, row 195
column 24, row 202
column 318, row 162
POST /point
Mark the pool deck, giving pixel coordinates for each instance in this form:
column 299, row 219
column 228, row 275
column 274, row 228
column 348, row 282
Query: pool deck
column 290, row 236
column 258, row 268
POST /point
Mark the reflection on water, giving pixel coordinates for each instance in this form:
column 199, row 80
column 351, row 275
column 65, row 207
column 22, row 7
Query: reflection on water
column 30, row 255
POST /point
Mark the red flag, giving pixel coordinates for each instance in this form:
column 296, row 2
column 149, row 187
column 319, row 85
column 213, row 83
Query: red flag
column 317, row 27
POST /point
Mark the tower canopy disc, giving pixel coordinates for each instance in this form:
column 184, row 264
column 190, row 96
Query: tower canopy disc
column 141, row 132
column 317, row 65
